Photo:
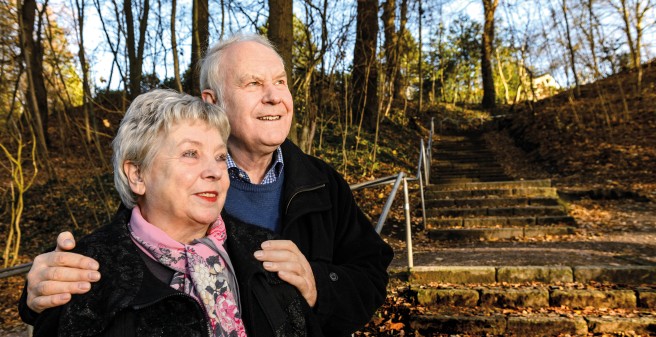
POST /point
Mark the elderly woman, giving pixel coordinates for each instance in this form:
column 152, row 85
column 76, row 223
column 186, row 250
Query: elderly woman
column 164, row 257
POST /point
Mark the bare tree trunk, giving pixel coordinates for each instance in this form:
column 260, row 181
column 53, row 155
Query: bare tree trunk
column 199, row 43
column 390, row 46
column 640, row 8
column 365, row 72
column 590, row 35
column 503, row 79
column 489, row 91
column 174, row 48
column 401, row 50
column 570, row 47
column 135, row 48
column 86, row 90
column 420, row 57
column 281, row 33
column 33, row 55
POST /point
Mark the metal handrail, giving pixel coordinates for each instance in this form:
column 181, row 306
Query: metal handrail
column 15, row 270
column 423, row 177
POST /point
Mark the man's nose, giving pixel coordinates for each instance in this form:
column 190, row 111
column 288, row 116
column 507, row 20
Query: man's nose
column 272, row 94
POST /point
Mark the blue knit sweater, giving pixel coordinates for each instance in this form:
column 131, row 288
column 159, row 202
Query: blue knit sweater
column 256, row 204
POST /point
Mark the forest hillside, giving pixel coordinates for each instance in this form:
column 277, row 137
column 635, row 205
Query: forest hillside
column 600, row 143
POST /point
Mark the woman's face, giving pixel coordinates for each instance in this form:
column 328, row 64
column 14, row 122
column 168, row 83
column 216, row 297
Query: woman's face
column 184, row 189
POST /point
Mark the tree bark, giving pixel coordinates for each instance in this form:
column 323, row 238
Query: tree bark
column 365, row 73
column 401, row 50
column 390, row 45
column 489, row 91
column 281, row 31
column 281, row 34
column 32, row 50
column 570, row 47
column 199, row 41
column 135, row 48
column 174, row 48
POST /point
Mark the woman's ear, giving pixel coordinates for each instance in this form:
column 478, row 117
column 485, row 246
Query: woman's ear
column 133, row 173
column 208, row 96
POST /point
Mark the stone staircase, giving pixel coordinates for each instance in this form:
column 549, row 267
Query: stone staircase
column 503, row 257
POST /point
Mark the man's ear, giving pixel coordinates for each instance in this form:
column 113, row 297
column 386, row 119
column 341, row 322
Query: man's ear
column 133, row 173
column 208, row 96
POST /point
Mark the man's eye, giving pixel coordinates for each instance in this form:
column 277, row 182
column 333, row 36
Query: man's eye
column 190, row 154
column 222, row 157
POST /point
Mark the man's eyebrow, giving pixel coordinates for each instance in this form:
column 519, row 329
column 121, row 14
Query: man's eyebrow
column 248, row 77
column 282, row 74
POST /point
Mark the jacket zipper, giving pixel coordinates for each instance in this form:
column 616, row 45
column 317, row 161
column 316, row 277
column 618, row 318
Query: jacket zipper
column 207, row 325
column 302, row 191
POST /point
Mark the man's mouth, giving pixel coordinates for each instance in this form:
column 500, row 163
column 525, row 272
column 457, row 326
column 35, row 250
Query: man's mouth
column 269, row 118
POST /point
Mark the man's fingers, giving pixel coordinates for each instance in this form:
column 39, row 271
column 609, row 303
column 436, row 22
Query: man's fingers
column 280, row 245
column 54, row 288
column 65, row 241
column 38, row 304
column 70, row 260
column 64, row 274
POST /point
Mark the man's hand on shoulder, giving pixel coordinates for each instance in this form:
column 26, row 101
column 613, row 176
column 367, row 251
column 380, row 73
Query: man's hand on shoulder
column 56, row 275
column 284, row 257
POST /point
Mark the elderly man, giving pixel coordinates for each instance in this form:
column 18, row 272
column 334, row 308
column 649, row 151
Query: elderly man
column 329, row 251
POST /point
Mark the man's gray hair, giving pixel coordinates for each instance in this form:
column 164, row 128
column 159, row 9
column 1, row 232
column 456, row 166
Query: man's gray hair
column 212, row 72
column 147, row 122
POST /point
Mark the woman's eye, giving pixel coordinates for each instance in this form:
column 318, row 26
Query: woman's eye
column 190, row 154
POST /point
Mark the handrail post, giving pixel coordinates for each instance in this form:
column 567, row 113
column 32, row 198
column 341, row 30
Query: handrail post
column 423, row 202
column 408, row 227
column 426, row 162
column 388, row 203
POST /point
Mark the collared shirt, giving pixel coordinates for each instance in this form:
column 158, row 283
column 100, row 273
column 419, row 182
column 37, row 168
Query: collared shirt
column 270, row 177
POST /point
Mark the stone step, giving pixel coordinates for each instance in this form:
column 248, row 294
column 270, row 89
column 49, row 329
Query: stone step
column 499, row 221
column 465, row 158
column 486, row 233
column 451, row 166
column 516, row 184
column 479, row 212
column 471, row 173
column 492, row 202
column 460, row 180
column 531, row 325
column 451, row 191
column 626, row 275
column 536, row 296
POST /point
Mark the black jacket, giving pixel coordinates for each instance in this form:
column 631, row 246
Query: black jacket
column 130, row 300
column 348, row 258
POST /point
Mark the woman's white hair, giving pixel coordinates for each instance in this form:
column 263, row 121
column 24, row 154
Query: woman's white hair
column 212, row 72
column 147, row 122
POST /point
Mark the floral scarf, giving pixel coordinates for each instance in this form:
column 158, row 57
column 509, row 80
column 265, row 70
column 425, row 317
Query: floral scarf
column 200, row 271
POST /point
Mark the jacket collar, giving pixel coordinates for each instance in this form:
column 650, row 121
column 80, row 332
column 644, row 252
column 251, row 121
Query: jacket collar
column 302, row 175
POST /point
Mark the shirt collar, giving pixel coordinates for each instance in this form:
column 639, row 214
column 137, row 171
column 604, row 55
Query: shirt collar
column 273, row 173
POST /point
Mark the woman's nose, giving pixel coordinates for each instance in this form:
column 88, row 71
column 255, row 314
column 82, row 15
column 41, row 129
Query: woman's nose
column 215, row 169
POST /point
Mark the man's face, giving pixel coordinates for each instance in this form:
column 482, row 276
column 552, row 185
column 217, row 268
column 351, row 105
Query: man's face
column 258, row 102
